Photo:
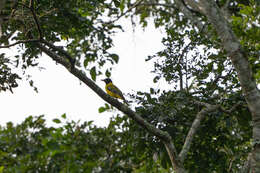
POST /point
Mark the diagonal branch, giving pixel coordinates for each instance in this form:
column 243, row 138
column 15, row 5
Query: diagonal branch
column 195, row 126
column 189, row 15
column 60, row 50
column 162, row 135
column 247, row 164
column 128, row 10
column 231, row 110
column 241, row 64
column 35, row 18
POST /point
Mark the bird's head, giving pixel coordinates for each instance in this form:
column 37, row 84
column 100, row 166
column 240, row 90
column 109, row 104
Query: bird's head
column 107, row 80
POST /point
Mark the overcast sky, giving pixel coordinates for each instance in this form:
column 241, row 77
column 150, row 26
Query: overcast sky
column 60, row 92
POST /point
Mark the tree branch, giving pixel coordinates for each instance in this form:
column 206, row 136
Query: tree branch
column 195, row 126
column 193, row 6
column 231, row 110
column 157, row 4
column 19, row 42
column 188, row 14
column 31, row 6
column 123, row 14
column 247, row 165
column 162, row 135
column 176, row 162
column 241, row 64
column 60, row 50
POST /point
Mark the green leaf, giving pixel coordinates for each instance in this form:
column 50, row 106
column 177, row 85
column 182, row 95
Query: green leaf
column 2, row 169
column 101, row 109
column 53, row 145
column 139, row 93
column 64, row 116
column 155, row 80
column 115, row 57
column 117, row 3
column 93, row 73
column 85, row 63
column 56, row 120
column 152, row 91
column 122, row 5
column 108, row 73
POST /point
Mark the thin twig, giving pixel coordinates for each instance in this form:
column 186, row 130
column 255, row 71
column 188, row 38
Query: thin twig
column 19, row 42
column 231, row 110
column 36, row 21
column 123, row 14
column 201, row 103
column 35, row 18
column 158, row 4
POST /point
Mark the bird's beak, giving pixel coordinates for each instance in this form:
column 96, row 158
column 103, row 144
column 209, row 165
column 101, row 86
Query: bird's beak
column 102, row 79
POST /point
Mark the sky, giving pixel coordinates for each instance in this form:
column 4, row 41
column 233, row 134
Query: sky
column 60, row 92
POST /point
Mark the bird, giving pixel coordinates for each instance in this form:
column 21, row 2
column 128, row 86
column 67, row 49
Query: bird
column 113, row 91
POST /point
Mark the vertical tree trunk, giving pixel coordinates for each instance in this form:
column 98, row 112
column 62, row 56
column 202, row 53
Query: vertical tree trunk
column 240, row 61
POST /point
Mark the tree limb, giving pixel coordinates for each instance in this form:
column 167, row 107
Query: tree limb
column 60, row 50
column 240, row 61
column 247, row 165
column 124, row 13
column 231, row 110
column 195, row 126
column 19, row 42
column 162, row 135
column 31, row 6
column 189, row 15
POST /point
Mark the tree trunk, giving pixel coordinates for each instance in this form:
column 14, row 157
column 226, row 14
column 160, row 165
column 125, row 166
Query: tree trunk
column 240, row 62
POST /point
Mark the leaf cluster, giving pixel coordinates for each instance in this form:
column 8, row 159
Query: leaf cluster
column 74, row 147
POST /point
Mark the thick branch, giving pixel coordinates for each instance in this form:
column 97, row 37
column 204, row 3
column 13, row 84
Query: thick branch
column 188, row 14
column 162, row 135
column 177, row 164
column 247, row 165
column 195, row 126
column 2, row 5
column 60, row 50
column 82, row 77
column 240, row 61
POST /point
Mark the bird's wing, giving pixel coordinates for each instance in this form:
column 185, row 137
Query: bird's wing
column 115, row 90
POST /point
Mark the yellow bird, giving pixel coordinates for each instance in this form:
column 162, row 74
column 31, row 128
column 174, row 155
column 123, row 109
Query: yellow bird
column 113, row 91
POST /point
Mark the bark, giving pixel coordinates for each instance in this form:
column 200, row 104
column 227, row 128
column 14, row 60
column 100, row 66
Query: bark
column 162, row 135
column 2, row 4
column 177, row 164
column 247, row 165
column 240, row 61
column 195, row 126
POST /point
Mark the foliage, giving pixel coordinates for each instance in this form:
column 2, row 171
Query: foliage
column 73, row 147
column 193, row 63
column 8, row 79
column 197, row 69
column 79, row 26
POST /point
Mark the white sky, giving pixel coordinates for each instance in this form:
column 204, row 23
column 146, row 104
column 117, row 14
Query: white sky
column 60, row 92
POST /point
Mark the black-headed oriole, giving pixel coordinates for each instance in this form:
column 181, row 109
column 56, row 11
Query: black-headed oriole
column 113, row 91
